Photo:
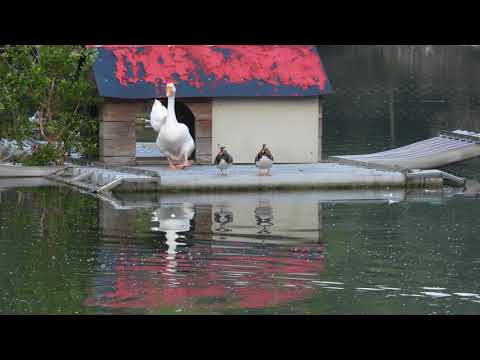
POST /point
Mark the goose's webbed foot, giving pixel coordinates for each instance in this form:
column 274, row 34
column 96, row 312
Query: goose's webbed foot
column 171, row 165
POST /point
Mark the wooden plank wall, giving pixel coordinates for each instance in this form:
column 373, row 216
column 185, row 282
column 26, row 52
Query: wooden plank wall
column 117, row 132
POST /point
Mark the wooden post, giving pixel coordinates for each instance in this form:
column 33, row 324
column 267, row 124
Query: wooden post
column 203, row 130
column 320, row 128
column 117, row 132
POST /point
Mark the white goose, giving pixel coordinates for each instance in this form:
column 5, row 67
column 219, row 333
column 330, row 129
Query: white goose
column 174, row 139
column 158, row 116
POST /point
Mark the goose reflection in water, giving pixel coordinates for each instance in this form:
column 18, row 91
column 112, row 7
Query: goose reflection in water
column 172, row 220
column 264, row 216
column 223, row 217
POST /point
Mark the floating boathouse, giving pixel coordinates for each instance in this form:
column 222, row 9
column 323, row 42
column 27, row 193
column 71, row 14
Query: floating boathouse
column 240, row 96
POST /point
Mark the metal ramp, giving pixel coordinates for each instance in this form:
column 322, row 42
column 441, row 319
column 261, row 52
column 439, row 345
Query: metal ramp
column 445, row 149
column 107, row 180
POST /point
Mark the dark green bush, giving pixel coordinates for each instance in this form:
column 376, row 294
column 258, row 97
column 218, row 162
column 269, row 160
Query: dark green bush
column 43, row 155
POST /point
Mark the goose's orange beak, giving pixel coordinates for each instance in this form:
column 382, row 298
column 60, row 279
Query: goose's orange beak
column 169, row 90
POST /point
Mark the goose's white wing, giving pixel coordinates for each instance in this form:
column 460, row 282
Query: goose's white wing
column 158, row 116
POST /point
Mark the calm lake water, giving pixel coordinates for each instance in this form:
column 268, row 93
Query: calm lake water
column 64, row 252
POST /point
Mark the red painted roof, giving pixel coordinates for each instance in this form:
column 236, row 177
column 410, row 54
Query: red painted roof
column 142, row 71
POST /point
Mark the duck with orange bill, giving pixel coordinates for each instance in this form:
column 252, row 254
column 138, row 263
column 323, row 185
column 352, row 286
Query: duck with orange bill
column 223, row 161
column 264, row 161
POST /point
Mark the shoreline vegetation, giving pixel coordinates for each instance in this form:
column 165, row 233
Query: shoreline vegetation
column 48, row 98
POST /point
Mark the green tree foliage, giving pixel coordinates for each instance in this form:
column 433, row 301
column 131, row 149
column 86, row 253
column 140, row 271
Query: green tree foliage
column 52, row 81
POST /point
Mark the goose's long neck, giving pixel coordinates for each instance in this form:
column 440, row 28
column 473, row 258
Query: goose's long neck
column 171, row 109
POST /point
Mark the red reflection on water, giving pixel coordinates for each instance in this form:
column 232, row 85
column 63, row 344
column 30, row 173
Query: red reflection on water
column 245, row 281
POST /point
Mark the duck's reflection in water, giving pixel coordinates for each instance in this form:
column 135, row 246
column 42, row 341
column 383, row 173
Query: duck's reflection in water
column 223, row 217
column 264, row 216
column 212, row 273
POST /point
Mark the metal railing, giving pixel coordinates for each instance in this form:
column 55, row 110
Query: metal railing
column 471, row 138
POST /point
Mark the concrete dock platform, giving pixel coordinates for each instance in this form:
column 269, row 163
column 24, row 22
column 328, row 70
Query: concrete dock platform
column 284, row 176
column 205, row 178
